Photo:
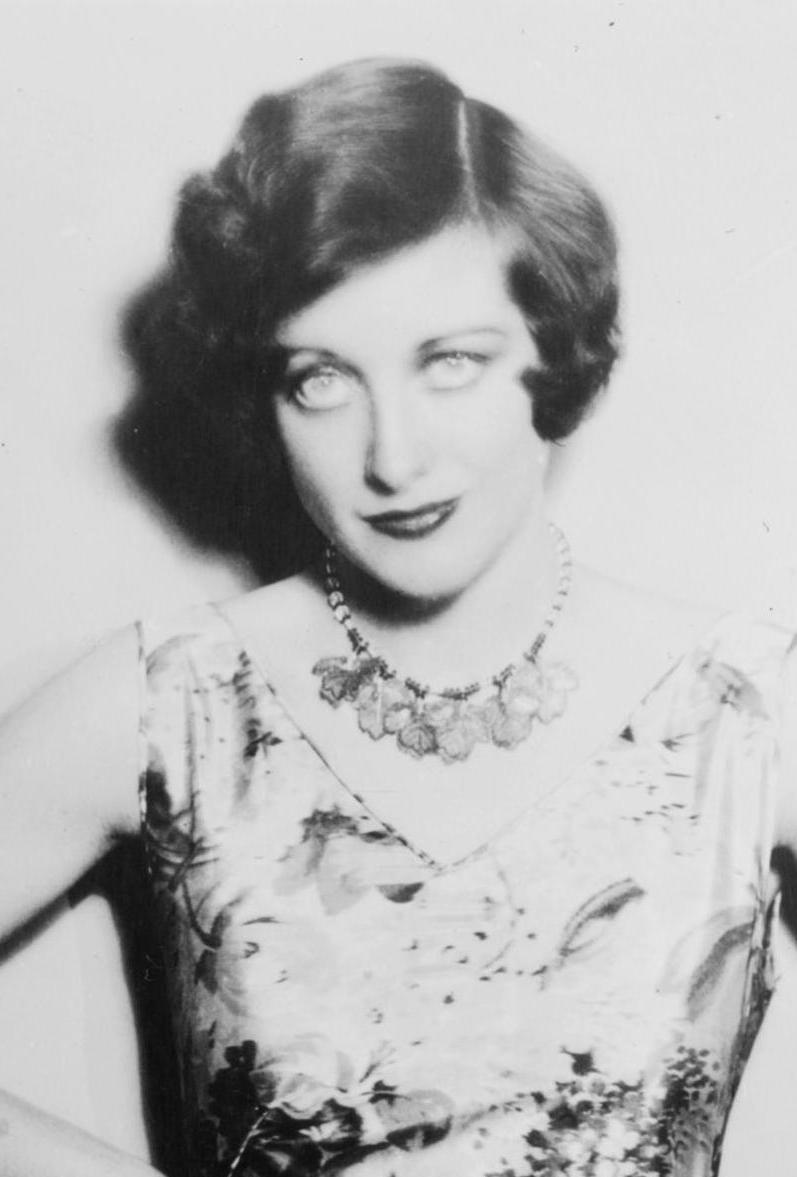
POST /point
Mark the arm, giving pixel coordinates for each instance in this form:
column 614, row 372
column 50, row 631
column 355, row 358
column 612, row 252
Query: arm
column 68, row 771
column 36, row 1144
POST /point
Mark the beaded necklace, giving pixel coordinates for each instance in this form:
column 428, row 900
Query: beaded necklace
column 502, row 710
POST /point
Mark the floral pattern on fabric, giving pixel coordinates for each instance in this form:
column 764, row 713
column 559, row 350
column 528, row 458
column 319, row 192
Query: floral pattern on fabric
column 576, row 998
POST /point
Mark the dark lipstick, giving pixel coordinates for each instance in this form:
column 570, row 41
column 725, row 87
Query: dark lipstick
column 413, row 524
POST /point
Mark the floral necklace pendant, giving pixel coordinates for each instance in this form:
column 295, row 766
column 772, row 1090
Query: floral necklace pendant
column 447, row 725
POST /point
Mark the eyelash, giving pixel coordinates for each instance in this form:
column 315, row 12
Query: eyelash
column 476, row 358
column 457, row 353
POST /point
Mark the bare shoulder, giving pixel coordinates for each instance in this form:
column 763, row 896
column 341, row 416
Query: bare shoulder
column 80, row 729
column 91, row 705
column 639, row 630
column 284, row 609
column 293, row 601
column 282, row 623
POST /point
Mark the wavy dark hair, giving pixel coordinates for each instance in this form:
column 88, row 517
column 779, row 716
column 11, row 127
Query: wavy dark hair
column 329, row 176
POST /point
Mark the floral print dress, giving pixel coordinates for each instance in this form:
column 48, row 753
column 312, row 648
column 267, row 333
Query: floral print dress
column 578, row 996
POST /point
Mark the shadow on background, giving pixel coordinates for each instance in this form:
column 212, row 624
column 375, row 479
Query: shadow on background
column 784, row 863
column 205, row 457
column 121, row 879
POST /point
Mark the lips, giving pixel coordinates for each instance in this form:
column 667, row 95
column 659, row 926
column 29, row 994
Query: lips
column 413, row 524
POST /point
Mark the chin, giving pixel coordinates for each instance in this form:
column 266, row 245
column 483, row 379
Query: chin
column 432, row 570
column 424, row 581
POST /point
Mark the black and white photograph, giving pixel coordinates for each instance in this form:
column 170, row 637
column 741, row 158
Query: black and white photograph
column 398, row 682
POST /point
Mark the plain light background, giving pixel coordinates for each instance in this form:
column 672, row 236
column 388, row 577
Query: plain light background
column 682, row 113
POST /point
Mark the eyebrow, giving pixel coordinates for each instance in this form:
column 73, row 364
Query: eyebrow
column 438, row 340
column 286, row 353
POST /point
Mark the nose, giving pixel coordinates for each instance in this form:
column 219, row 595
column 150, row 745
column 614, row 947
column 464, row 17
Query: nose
column 398, row 448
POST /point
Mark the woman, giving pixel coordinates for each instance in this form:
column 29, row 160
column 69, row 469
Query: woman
column 516, row 921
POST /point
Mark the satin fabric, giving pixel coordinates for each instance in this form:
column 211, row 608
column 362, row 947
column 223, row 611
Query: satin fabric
column 577, row 996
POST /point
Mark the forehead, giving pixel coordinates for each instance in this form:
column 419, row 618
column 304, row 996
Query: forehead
column 448, row 283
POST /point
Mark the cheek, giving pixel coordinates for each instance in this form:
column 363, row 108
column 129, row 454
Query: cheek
column 500, row 433
column 318, row 466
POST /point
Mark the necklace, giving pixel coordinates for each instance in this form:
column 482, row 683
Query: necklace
column 502, row 710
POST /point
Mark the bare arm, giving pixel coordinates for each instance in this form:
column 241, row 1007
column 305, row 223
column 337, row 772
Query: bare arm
column 68, row 772
column 36, row 1144
column 68, row 769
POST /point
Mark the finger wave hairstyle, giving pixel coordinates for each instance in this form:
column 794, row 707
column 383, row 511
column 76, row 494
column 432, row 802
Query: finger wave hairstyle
column 334, row 174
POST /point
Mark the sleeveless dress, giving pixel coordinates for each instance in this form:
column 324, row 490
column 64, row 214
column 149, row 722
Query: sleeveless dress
column 577, row 996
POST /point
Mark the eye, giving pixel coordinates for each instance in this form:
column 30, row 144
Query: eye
column 321, row 388
column 454, row 369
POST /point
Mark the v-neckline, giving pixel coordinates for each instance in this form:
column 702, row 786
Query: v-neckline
column 434, row 863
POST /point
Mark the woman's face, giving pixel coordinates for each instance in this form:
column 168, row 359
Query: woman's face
column 404, row 418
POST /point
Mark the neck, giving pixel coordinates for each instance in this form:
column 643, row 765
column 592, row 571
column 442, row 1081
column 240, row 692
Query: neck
column 473, row 634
